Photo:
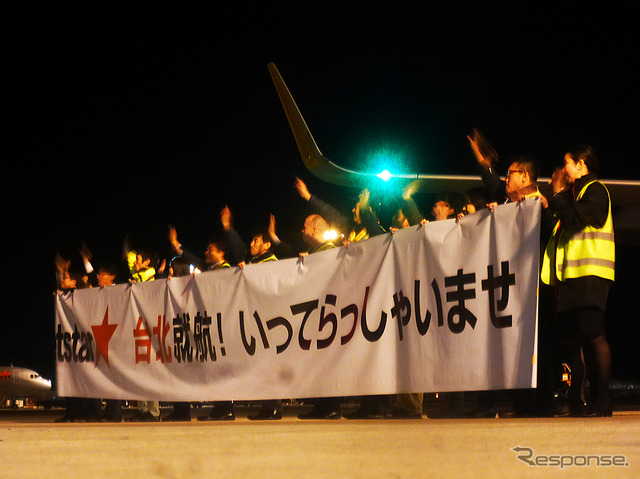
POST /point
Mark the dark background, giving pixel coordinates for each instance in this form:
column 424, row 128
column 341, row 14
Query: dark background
column 120, row 125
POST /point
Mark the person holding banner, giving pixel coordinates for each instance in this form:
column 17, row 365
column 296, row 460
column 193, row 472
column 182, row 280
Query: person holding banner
column 76, row 408
column 140, row 270
column 366, row 225
column 214, row 259
column 104, row 277
column 407, row 405
column 315, row 233
column 260, row 252
column 579, row 261
column 520, row 183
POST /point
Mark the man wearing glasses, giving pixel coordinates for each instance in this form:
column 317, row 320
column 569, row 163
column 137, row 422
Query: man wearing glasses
column 522, row 176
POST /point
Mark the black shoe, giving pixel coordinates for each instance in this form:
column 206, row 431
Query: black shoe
column 510, row 414
column 321, row 414
column 563, row 410
column 486, row 414
column 443, row 415
column 599, row 410
column 219, row 416
column 71, row 419
column 578, row 411
column 143, row 417
column 363, row 413
column 266, row 415
column 577, row 406
column 111, row 419
column 92, row 419
column 176, row 418
column 402, row 414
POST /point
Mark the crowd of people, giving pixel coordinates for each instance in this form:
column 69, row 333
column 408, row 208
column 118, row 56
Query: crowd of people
column 577, row 270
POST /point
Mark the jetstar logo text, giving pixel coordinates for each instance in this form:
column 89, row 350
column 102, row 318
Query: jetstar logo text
column 78, row 346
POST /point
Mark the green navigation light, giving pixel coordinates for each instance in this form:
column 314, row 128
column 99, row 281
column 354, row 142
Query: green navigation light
column 384, row 175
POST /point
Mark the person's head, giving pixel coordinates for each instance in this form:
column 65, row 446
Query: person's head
column 357, row 209
column 314, row 230
column 475, row 200
column 580, row 161
column 215, row 252
column 399, row 220
column 522, row 173
column 143, row 260
column 67, row 281
column 448, row 205
column 260, row 244
column 179, row 267
column 363, row 204
column 106, row 275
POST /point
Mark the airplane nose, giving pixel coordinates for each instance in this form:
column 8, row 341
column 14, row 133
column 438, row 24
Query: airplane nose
column 45, row 384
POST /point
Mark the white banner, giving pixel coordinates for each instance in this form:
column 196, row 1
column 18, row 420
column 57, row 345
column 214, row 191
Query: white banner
column 449, row 306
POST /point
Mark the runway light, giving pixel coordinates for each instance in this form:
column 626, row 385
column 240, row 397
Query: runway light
column 384, row 175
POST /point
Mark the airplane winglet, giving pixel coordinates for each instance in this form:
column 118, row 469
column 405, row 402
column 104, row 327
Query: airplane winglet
column 307, row 146
column 313, row 159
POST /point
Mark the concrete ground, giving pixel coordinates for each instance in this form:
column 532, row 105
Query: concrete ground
column 32, row 445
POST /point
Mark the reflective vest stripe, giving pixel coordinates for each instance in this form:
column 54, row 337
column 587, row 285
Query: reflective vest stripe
column 578, row 263
column 593, row 235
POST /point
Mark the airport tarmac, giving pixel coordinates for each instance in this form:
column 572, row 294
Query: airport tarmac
column 32, row 445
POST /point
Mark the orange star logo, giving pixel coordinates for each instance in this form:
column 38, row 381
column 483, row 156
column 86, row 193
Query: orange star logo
column 102, row 335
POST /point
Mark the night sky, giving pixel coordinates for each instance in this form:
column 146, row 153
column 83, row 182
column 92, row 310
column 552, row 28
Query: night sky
column 121, row 127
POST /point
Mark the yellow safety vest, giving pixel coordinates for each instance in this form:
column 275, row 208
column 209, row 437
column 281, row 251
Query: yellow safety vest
column 361, row 235
column 142, row 275
column 271, row 257
column 590, row 252
column 533, row 194
column 325, row 246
